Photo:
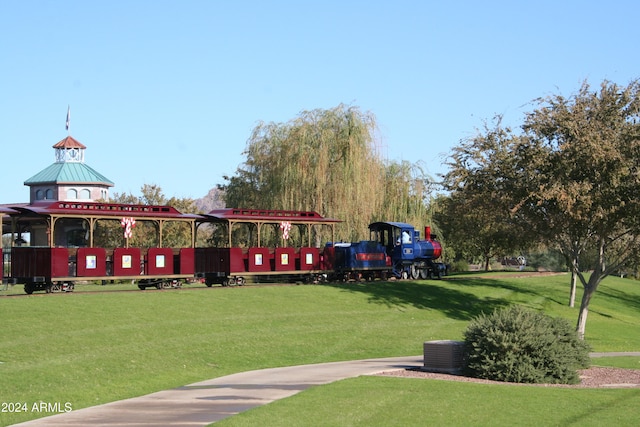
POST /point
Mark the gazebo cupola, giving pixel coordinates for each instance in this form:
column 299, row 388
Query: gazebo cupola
column 69, row 150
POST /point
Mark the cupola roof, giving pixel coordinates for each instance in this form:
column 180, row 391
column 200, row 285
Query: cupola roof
column 69, row 142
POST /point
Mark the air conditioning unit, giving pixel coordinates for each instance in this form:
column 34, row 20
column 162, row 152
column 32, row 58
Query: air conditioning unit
column 443, row 356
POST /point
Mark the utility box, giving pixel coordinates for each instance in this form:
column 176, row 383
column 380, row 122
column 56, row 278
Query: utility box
column 443, row 356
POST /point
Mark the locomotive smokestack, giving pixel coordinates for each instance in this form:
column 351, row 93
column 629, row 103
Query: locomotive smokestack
column 427, row 233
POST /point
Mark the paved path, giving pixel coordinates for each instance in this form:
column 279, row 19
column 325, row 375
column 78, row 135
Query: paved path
column 205, row 402
column 615, row 354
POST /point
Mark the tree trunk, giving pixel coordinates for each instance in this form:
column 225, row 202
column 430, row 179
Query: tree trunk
column 584, row 311
column 589, row 289
column 572, row 293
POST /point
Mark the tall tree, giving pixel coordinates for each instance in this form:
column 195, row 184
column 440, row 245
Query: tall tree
column 476, row 216
column 580, row 180
column 407, row 194
column 573, row 177
column 326, row 161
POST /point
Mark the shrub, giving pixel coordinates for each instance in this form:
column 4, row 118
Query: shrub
column 524, row 346
column 459, row 266
column 550, row 260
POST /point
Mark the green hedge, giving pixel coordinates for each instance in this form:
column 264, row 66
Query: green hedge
column 524, row 346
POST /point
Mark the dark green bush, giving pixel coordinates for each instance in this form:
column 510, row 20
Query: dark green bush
column 458, row 266
column 524, row 346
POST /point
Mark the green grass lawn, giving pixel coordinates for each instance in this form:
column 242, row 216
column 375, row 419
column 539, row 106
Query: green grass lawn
column 90, row 348
column 402, row 402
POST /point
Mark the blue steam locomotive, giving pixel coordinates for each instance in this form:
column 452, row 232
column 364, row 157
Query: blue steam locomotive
column 395, row 249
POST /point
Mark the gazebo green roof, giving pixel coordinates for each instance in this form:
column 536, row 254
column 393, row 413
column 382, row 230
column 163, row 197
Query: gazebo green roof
column 68, row 173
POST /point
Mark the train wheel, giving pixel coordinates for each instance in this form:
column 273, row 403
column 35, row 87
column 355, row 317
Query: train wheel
column 424, row 274
column 404, row 275
column 415, row 274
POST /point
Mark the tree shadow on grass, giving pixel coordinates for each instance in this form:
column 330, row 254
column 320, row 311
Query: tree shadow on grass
column 430, row 295
column 531, row 290
column 630, row 300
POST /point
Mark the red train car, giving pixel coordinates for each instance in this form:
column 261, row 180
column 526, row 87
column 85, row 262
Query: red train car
column 263, row 244
column 155, row 246
column 72, row 241
column 5, row 212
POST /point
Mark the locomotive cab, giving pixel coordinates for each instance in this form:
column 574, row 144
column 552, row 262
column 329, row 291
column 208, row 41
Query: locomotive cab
column 398, row 239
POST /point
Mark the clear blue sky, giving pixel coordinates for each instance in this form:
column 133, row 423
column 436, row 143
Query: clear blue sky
column 168, row 92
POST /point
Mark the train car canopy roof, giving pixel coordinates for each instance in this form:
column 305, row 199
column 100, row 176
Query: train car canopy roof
column 268, row 215
column 62, row 208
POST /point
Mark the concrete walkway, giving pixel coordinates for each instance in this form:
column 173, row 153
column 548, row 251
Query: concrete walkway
column 615, row 354
column 205, row 402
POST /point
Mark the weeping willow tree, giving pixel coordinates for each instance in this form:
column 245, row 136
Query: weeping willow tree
column 327, row 161
column 408, row 189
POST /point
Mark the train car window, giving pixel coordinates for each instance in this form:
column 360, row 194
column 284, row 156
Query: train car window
column 160, row 261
